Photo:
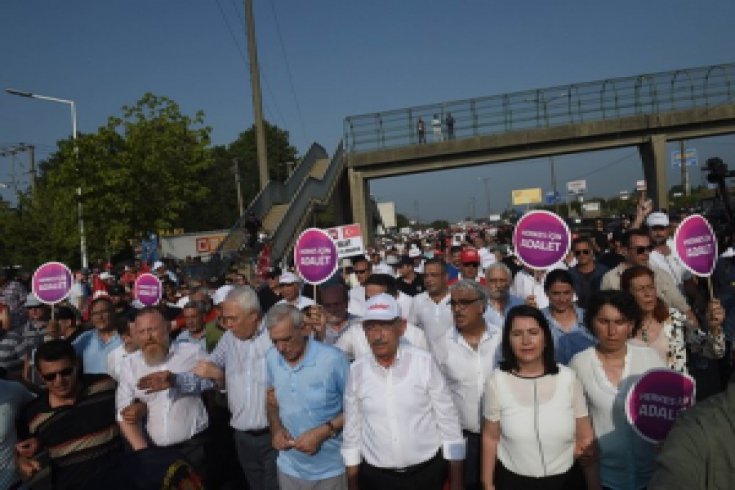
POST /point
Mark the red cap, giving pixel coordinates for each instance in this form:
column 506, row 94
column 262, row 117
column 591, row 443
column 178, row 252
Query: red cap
column 469, row 255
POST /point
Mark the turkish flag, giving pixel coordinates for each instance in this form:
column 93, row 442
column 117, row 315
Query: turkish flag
column 351, row 231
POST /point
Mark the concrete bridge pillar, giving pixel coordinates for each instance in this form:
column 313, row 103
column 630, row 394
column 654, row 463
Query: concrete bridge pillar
column 654, row 157
column 359, row 194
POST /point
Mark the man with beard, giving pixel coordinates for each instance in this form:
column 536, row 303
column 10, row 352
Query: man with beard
column 662, row 256
column 498, row 278
column 93, row 346
column 308, row 380
column 336, row 318
column 467, row 354
column 400, row 420
column 430, row 310
column 174, row 420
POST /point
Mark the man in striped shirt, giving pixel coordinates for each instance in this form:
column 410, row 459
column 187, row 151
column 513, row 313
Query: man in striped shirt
column 72, row 424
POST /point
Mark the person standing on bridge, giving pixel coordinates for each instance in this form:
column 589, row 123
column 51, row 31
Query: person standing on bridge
column 421, row 130
column 253, row 226
column 436, row 125
column 449, row 121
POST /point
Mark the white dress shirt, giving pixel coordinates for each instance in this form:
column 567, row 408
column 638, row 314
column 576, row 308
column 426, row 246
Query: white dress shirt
column 399, row 416
column 172, row 417
column 466, row 370
column 116, row 360
column 354, row 343
column 356, row 304
column 435, row 319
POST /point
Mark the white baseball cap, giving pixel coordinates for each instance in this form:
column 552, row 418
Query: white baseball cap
column 288, row 278
column 221, row 293
column 657, row 219
column 381, row 307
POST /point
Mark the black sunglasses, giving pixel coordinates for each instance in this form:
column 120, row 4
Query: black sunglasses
column 360, row 271
column 64, row 373
column 471, row 264
column 584, row 251
column 462, row 302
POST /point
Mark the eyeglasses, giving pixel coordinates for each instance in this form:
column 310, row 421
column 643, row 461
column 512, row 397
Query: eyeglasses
column 464, row 303
column 471, row 264
column 360, row 271
column 643, row 250
column 64, row 373
column 101, row 312
column 582, row 251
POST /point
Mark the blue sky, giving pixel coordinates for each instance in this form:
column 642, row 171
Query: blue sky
column 322, row 60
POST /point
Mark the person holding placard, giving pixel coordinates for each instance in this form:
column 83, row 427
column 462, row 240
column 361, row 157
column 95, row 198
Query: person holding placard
column 607, row 371
column 667, row 330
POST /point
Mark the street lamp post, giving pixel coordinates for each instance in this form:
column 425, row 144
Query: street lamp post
column 73, row 107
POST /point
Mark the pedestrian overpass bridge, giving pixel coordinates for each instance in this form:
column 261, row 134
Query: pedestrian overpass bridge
column 645, row 111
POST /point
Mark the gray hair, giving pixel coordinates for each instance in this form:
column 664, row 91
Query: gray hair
column 280, row 311
column 245, row 297
column 470, row 285
column 499, row 266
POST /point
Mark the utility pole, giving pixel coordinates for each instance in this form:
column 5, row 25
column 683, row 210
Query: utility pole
column 257, row 102
column 236, row 170
column 32, row 161
column 684, row 170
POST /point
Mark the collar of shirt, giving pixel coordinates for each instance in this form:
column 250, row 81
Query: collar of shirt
column 456, row 336
column 394, row 364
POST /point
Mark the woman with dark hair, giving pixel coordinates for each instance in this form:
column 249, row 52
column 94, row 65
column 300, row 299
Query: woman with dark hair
column 565, row 318
column 536, row 421
column 607, row 371
column 666, row 330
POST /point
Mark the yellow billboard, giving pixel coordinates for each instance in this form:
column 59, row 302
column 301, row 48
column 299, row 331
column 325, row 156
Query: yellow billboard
column 527, row 196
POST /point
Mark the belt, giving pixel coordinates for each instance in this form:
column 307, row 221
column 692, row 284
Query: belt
column 257, row 432
column 412, row 468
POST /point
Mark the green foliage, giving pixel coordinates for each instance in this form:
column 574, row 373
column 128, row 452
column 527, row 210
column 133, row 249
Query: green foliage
column 139, row 172
column 401, row 220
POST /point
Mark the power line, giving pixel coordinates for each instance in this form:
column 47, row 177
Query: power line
column 288, row 70
column 606, row 166
column 247, row 62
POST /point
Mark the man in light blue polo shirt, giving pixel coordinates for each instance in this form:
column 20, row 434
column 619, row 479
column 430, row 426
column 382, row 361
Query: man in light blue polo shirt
column 307, row 379
column 94, row 345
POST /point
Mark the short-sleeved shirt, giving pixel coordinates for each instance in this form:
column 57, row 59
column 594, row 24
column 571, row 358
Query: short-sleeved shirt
column 310, row 394
column 93, row 351
column 81, row 438
column 12, row 397
column 11, row 351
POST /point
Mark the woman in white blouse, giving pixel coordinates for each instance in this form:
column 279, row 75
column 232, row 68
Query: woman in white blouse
column 536, row 420
column 667, row 330
column 607, row 372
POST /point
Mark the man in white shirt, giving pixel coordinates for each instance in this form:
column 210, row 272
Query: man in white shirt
column 430, row 310
column 467, row 355
column 498, row 278
column 173, row 420
column 238, row 363
column 290, row 285
column 662, row 256
column 362, row 268
column 399, row 415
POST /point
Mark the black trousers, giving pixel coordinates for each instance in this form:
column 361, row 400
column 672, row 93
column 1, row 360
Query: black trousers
column 429, row 475
column 505, row 479
column 473, row 462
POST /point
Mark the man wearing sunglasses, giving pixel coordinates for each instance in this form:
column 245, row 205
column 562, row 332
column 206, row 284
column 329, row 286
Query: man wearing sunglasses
column 362, row 268
column 637, row 250
column 587, row 273
column 72, row 409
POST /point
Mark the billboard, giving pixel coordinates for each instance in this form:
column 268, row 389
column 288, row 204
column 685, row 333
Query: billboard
column 527, row 196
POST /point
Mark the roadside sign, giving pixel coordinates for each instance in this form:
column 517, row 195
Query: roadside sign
column 577, row 186
column 689, row 157
column 348, row 239
column 640, row 185
column 552, row 197
column 526, row 196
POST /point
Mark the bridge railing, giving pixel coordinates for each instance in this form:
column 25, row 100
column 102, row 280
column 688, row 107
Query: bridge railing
column 654, row 93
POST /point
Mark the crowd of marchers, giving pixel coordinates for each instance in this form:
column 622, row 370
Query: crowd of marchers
column 426, row 363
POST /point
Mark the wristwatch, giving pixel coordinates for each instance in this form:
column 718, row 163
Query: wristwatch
column 332, row 429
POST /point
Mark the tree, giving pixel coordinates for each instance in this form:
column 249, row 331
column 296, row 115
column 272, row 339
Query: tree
column 139, row 172
column 220, row 209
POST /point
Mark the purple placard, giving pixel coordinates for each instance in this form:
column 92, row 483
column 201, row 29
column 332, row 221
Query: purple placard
column 148, row 289
column 654, row 402
column 315, row 256
column 696, row 245
column 541, row 239
column 51, row 282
